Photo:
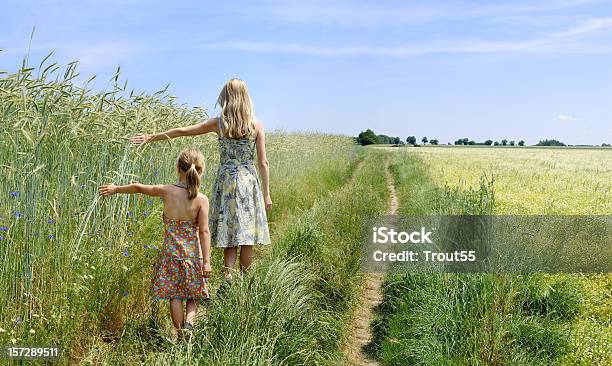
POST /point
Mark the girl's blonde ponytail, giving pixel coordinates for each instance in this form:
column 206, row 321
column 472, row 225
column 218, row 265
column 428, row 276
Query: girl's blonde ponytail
column 191, row 162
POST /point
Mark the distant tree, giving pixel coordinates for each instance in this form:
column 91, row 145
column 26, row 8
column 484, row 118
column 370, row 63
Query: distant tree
column 551, row 142
column 496, row 143
column 521, row 143
column 511, row 142
column 367, row 137
column 488, row 142
column 605, row 145
column 424, row 140
column 411, row 140
column 465, row 140
column 397, row 141
column 504, row 142
column 384, row 139
column 472, row 142
column 433, row 141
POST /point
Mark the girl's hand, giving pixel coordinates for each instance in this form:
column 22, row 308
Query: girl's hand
column 207, row 269
column 268, row 201
column 107, row 190
column 141, row 138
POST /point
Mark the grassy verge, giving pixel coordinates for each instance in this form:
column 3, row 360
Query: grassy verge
column 454, row 319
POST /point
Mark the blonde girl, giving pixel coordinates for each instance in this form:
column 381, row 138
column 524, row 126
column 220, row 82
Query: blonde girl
column 238, row 208
column 184, row 259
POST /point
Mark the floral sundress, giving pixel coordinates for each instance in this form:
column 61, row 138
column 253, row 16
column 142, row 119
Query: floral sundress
column 178, row 272
column 237, row 209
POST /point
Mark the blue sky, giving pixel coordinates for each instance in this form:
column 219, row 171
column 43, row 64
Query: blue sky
column 445, row 69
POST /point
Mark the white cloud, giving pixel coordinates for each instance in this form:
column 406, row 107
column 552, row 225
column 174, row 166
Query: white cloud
column 355, row 13
column 570, row 40
column 566, row 118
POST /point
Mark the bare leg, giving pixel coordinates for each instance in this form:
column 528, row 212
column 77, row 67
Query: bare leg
column 192, row 310
column 229, row 260
column 176, row 312
column 246, row 257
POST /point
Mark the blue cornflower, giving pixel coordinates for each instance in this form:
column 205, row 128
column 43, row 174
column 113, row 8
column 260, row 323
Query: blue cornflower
column 149, row 202
column 156, row 173
column 125, row 293
column 1, row 237
column 18, row 214
column 50, row 221
column 18, row 320
column 51, row 236
column 145, row 214
column 146, row 246
column 126, row 253
column 130, row 233
column 154, row 247
column 82, row 186
column 130, row 214
column 15, row 194
column 4, row 228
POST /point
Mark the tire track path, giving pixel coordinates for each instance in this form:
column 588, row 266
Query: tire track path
column 371, row 297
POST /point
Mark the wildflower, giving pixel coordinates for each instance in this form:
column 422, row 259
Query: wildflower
column 18, row 320
column 4, row 228
column 146, row 246
column 13, row 340
column 82, row 186
column 125, row 268
column 149, row 202
column 15, row 194
column 51, row 236
column 125, row 293
column 1, row 237
column 145, row 214
column 130, row 234
column 18, row 214
column 130, row 214
column 154, row 247
column 156, row 173
column 35, row 315
column 32, row 331
column 50, row 221
column 126, row 253
column 2, row 330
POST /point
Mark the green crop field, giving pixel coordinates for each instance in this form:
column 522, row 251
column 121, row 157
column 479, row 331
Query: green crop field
column 499, row 319
column 76, row 268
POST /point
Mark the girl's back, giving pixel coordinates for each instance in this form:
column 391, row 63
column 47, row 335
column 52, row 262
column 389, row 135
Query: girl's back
column 177, row 204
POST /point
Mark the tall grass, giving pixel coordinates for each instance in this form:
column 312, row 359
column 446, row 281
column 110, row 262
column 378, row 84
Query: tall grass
column 76, row 268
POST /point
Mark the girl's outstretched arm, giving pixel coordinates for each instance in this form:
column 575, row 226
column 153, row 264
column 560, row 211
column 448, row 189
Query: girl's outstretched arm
column 204, row 233
column 262, row 162
column 210, row 125
column 149, row 190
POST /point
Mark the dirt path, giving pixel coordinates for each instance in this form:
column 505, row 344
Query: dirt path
column 371, row 296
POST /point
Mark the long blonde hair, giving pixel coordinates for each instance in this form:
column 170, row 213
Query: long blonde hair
column 191, row 162
column 237, row 116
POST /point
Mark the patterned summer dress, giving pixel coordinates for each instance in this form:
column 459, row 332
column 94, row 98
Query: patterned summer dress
column 179, row 271
column 237, row 209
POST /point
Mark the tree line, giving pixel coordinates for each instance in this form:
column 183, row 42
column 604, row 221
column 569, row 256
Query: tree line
column 368, row 137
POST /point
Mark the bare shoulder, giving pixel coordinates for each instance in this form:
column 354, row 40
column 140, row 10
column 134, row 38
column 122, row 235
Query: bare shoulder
column 258, row 125
column 202, row 199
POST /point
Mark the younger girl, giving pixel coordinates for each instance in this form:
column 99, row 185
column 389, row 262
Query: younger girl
column 183, row 263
